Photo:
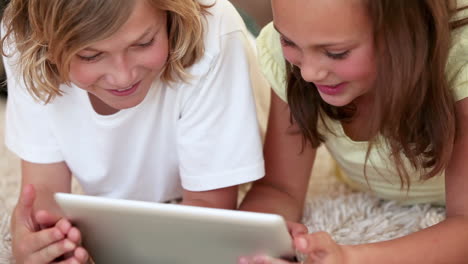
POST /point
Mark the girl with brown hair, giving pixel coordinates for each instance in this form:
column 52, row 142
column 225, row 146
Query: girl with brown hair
column 383, row 84
column 138, row 99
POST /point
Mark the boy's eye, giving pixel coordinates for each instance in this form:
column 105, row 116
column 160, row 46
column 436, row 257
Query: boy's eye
column 285, row 42
column 97, row 55
column 337, row 56
column 90, row 58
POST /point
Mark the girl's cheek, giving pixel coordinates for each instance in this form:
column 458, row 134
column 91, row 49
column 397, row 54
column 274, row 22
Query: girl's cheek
column 360, row 65
column 354, row 69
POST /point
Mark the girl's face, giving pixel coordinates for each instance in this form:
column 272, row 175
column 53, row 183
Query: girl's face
column 119, row 70
column 331, row 41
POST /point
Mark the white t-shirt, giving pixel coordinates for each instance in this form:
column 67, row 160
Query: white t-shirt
column 200, row 136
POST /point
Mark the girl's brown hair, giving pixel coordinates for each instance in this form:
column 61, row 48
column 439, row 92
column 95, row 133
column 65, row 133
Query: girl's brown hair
column 413, row 107
column 48, row 33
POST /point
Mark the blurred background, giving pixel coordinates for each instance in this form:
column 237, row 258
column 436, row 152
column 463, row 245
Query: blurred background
column 3, row 91
column 256, row 13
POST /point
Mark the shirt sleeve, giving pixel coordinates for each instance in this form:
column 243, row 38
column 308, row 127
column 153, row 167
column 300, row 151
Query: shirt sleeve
column 460, row 84
column 272, row 63
column 27, row 126
column 219, row 143
column 457, row 64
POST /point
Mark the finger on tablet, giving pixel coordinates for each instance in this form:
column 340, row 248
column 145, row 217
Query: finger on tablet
column 74, row 235
column 296, row 229
column 51, row 252
column 45, row 219
column 46, row 237
column 81, row 255
column 64, row 225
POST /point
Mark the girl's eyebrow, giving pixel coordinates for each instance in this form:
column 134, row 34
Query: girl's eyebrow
column 146, row 33
column 282, row 34
column 323, row 45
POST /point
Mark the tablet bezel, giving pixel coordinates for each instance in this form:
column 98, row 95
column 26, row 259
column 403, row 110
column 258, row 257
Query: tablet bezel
column 127, row 231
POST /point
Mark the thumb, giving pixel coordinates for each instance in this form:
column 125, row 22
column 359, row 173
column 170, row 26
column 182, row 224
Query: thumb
column 316, row 245
column 269, row 260
column 25, row 207
column 296, row 229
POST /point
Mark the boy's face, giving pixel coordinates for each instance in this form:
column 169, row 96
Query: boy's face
column 331, row 41
column 118, row 71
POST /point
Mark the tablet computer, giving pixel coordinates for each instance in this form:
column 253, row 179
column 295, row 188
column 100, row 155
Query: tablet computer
column 126, row 231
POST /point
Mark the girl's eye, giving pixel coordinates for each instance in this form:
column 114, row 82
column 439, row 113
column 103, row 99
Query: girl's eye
column 147, row 44
column 337, row 56
column 285, row 42
column 90, row 58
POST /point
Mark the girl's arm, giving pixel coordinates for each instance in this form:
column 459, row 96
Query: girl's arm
column 284, row 187
column 445, row 242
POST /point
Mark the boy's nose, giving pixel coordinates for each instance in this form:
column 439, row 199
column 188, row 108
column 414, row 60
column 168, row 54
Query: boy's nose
column 120, row 74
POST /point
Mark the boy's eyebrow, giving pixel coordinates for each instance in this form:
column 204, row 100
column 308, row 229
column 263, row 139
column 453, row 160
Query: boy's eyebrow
column 147, row 32
column 323, row 45
column 137, row 40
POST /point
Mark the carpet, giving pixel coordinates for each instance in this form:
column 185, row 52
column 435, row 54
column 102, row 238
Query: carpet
column 350, row 217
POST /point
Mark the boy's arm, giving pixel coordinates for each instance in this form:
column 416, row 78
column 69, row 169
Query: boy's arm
column 225, row 198
column 288, row 167
column 47, row 179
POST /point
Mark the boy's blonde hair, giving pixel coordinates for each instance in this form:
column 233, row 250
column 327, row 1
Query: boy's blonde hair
column 48, row 33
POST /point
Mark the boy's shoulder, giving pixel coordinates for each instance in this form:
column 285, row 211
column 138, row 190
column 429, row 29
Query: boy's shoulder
column 222, row 19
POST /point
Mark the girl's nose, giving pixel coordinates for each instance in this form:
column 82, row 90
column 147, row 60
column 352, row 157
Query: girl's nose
column 313, row 71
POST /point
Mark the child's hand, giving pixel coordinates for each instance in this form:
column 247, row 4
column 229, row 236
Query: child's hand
column 42, row 238
column 296, row 229
column 318, row 248
column 79, row 255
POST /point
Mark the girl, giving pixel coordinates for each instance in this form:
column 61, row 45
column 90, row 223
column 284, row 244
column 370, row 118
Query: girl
column 138, row 99
column 383, row 84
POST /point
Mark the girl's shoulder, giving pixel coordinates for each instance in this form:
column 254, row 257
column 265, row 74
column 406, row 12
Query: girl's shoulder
column 269, row 44
column 271, row 60
column 457, row 64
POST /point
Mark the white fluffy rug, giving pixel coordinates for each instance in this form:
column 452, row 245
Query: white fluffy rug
column 348, row 216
